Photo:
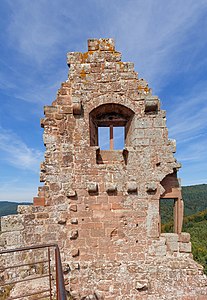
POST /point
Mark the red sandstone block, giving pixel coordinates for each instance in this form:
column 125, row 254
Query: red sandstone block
column 99, row 214
column 42, row 216
column 84, row 215
column 102, row 242
column 96, row 206
column 92, row 242
column 98, row 225
column 86, row 257
column 92, row 225
column 93, row 172
column 190, row 298
column 37, row 201
column 80, row 243
column 89, row 225
column 106, row 207
column 97, row 232
column 66, row 110
column 102, row 199
column 116, row 206
column 184, row 237
column 84, row 233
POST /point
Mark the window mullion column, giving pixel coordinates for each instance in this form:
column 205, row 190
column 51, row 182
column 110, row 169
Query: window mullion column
column 111, row 137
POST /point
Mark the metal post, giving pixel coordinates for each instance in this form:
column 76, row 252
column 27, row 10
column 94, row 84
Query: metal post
column 111, row 137
column 56, row 273
column 175, row 215
column 49, row 270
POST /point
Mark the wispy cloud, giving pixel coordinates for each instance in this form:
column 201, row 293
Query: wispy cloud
column 42, row 29
column 34, row 29
column 187, row 119
column 17, row 153
column 157, row 34
column 193, row 152
column 156, row 40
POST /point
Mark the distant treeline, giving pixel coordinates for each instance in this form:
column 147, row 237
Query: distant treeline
column 9, row 208
column 195, row 198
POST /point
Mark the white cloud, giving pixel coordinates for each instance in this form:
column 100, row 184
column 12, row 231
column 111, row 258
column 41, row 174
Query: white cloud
column 155, row 34
column 34, row 29
column 187, row 119
column 17, row 153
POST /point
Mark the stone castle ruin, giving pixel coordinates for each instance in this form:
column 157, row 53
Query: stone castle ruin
column 102, row 207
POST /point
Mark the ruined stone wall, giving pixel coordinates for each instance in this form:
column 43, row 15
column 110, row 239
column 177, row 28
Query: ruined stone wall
column 102, row 206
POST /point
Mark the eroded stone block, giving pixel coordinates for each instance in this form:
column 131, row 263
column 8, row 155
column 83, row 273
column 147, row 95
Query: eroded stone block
column 111, row 187
column 12, row 223
column 131, row 187
column 92, row 187
column 184, row 237
column 185, row 247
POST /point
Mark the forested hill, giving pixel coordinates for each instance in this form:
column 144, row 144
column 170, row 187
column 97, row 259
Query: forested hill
column 195, row 198
column 9, row 208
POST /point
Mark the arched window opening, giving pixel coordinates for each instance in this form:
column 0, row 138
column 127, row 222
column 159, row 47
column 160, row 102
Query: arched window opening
column 110, row 126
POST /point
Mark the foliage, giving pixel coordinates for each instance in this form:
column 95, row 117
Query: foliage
column 196, row 225
column 166, row 209
column 195, row 198
column 5, row 292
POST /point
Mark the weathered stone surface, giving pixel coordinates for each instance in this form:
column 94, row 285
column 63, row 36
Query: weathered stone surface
column 92, row 187
column 24, row 209
column 184, row 237
column 111, row 187
column 151, row 187
column 185, row 247
column 12, row 223
column 131, row 187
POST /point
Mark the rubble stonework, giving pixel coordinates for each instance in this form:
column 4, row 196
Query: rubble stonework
column 102, row 206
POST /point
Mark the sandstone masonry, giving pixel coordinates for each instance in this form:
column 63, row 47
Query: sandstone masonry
column 102, row 206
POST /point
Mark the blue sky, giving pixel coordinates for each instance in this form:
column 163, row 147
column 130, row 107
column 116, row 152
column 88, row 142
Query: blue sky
column 167, row 41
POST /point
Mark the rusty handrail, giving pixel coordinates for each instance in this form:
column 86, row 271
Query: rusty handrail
column 60, row 287
column 28, row 248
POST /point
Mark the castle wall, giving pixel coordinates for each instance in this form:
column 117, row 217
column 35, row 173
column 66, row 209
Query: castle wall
column 102, row 206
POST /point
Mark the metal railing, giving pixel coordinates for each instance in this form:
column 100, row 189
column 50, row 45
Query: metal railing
column 40, row 264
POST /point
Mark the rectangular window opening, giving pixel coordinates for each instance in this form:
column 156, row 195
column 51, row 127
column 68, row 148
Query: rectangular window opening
column 111, row 137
